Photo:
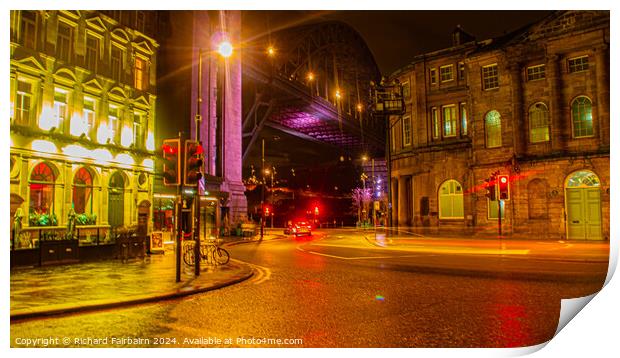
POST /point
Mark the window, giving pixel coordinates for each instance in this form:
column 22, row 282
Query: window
column 490, row 77
column 536, row 73
column 23, row 102
column 60, row 107
column 112, row 123
column 140, row 17
column 435, row 122
column 83, row 192
column 581, row 113
column 445, row 73
column 463, row 106
column 406, row 90
column 42, row 190
column 493, row 209
column 64, row 41
column 539, row 123
column 433, row 76
column 138, row 129
column 451, row 200
column 406, row 131
column 461, row 71
column 449, row 121
column 92, row 52
column 141, row 74
column 89, row 115
column 116, row 63
column 493, row 129
column 577, row 64
column 28, row 28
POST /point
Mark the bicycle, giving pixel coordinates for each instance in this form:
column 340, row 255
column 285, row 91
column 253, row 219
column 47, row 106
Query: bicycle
column 210, row 253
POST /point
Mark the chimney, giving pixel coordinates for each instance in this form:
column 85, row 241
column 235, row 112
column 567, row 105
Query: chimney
column 460, row 36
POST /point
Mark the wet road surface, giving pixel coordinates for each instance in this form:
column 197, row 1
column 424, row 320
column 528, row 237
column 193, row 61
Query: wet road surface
column 323, row 301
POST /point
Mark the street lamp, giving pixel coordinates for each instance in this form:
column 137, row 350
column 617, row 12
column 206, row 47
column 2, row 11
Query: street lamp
column 225, row 49
column 271, row 51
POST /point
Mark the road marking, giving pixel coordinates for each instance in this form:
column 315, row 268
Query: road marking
column 358, row 257
column 261, row 274
column 441, row 250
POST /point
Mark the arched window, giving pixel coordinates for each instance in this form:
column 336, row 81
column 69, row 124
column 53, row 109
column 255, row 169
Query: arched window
column 493, row 129
column 451, row 200
column 41, row 186
column 83, row 192
column 583, row 179
column 539, row 123
column 581, row 113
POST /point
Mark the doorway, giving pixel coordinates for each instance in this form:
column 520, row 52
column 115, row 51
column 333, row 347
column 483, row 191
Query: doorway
column 583, row 206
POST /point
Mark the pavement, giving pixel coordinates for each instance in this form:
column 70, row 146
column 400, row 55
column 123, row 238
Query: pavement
column 56, row 290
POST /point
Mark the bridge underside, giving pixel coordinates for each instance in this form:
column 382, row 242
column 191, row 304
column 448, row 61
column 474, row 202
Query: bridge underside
column 317, row 90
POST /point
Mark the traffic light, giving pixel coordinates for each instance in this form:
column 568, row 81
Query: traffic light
column 193, row 162
column 490, row 187
column 316, row 211
column 267, row 210
column 172, row 164
column 504, row 190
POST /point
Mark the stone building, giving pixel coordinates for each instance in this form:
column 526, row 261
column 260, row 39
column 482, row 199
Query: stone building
column 532, row 104
column 82, row 96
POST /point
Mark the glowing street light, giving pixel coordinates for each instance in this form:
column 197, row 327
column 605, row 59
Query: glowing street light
column 271, row 51
column 338, row 95
column 364, row 158
column 225, row 49
column 359, row 107
column 310, row 76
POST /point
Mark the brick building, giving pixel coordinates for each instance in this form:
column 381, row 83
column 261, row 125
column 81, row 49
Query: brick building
column 533, row 104
column 82, row 95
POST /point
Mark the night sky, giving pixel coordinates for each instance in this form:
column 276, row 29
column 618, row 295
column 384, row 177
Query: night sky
column 395, row 37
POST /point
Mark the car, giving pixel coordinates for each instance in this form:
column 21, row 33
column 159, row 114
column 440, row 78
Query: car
column 299, row 228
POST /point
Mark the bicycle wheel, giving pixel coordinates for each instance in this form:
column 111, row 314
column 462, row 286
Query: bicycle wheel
column 221, row 256
column 188, row 255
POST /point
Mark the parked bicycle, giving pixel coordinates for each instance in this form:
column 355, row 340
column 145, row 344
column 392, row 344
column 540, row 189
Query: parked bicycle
column 210, row 253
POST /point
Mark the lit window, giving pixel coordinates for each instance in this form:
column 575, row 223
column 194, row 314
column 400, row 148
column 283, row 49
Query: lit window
column 445, row 73
column 112, row 123
column 493, row 129
column 539, row 123
column 451, row 200
column 42, row 191
column 433, row 76
column 463, row 118
column 490, row 77
column 493, row 209
column 23, row 100
column 92, row 52
column 140, row 79
column 435, row 122
column 578, row 64
column 83, row 192
column 406, row 131
column 64, row 41
column 406, row 90
column 536, row 72
column 28, row 29
column 60, row 107
column 116, row 63
column 449, row 121
column 581, row 112
column 138, row 130
column 461, row 71
column 89, row 114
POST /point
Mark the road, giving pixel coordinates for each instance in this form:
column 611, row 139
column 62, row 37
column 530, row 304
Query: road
column 335, row 290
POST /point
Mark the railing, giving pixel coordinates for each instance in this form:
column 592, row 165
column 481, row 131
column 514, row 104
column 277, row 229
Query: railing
column 90, row 235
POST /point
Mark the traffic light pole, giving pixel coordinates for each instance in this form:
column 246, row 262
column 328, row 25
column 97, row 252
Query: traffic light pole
column 262, row 190
column 179, row 215
column 499, row 217
column 197, row 215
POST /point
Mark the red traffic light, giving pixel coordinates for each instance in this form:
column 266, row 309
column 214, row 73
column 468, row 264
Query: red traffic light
column 193, row 162
column 504, row 190
column 172, row 164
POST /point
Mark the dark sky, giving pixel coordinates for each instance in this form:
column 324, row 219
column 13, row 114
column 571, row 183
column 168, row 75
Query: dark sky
column 395, row 37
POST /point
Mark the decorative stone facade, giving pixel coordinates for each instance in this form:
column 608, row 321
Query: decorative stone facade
column 82, row 94
column 533, row 104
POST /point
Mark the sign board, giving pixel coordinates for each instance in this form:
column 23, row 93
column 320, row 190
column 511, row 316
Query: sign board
column 377, row 205
column 157, row 241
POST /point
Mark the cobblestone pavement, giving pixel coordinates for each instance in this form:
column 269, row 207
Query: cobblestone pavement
column 107, row 281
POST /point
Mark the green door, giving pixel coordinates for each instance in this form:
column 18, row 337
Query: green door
column 583, row 213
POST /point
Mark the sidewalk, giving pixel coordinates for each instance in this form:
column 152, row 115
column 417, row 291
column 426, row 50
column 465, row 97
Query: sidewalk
column 45, row 291
column 268, row 234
